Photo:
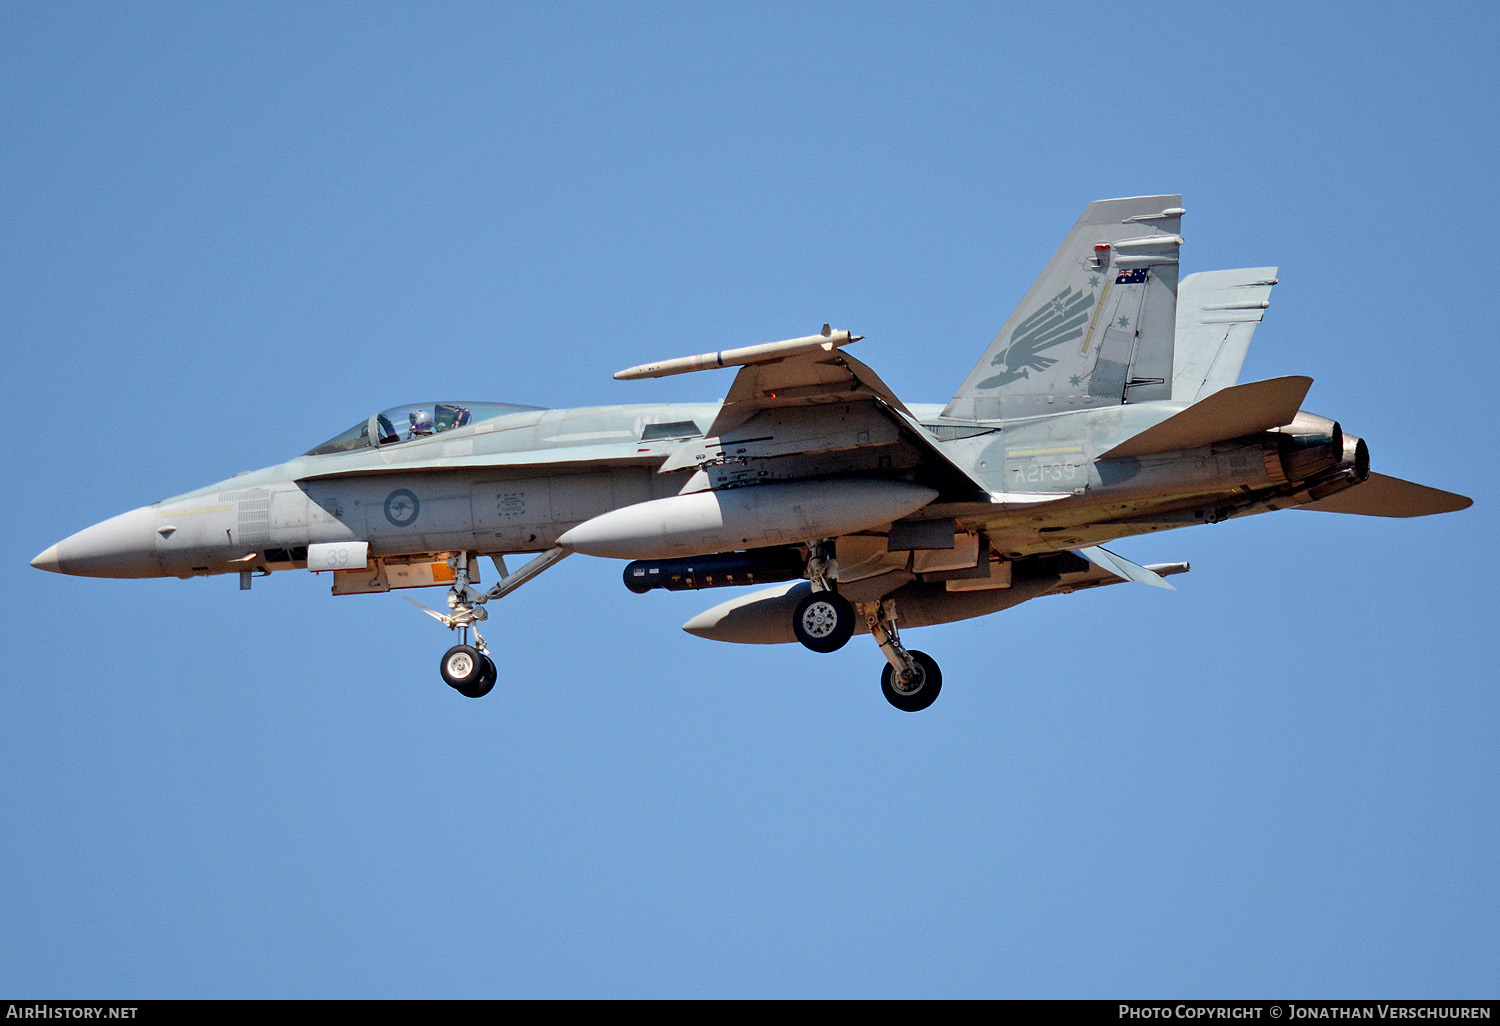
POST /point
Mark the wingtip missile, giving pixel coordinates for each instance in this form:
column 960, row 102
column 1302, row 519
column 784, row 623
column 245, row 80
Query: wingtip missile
column 827, row 341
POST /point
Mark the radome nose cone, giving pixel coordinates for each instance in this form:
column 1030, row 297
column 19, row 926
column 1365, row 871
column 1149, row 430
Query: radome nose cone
column 122, row 546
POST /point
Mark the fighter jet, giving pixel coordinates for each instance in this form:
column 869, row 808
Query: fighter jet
column 1107, row 406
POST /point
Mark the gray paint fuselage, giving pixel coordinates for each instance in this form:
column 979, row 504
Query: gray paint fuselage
column 515, row 483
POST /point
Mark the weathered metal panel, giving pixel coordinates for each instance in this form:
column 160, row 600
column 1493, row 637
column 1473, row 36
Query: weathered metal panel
column 512, row 516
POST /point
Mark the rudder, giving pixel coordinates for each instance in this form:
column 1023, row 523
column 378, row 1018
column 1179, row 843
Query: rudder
column 1217, row 312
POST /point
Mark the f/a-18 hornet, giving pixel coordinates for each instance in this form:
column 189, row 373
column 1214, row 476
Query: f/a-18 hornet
column 1107, row 406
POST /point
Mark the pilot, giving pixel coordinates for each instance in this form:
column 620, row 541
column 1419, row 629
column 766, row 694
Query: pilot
column 421, row 424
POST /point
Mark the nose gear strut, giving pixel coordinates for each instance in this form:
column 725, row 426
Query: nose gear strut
column 469, row 669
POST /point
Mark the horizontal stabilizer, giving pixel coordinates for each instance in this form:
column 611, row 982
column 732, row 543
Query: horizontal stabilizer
column 1123, row 568
column 1229, row 413
column 1382, row 496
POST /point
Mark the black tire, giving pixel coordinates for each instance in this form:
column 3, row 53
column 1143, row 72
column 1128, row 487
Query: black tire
column 824, row 621
column 462, row 667
column 920, row 694
column 486, row 682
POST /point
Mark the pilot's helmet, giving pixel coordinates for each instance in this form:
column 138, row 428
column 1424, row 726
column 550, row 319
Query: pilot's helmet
column 421, row 423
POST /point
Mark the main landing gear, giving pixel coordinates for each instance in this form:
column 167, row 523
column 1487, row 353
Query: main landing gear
column 911, row 680
column 468, row 669
column 824, row 621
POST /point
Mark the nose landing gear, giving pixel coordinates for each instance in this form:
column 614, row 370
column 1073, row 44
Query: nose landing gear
column 468, row 669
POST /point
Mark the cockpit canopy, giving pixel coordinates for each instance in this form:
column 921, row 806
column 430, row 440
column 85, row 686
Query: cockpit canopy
column 414, row 420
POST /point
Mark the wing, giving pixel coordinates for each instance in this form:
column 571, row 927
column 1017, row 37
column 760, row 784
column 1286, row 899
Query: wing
column 808, row 379
column 804, row 407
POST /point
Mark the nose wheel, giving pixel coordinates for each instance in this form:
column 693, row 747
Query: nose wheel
column 468, row 671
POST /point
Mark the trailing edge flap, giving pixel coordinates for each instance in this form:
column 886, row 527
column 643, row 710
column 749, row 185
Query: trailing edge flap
column 1123, row 568
column 1229, row 413
column 1382, row 496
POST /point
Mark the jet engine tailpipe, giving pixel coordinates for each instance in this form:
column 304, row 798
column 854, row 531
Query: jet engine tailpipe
column 1309, row 446
column 1357, row 457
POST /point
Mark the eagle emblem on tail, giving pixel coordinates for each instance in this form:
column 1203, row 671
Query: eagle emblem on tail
column 1060, row 319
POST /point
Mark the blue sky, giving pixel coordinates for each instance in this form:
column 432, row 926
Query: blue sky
column 229, row 231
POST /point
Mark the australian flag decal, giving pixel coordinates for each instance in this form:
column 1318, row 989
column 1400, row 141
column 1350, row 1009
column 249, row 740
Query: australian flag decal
column 1134, row 276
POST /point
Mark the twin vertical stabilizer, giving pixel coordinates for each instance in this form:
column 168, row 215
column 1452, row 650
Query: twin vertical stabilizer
column 1097, row 327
